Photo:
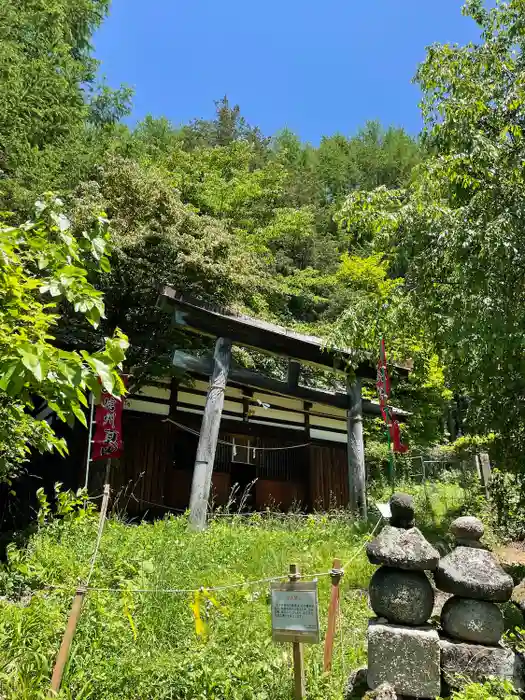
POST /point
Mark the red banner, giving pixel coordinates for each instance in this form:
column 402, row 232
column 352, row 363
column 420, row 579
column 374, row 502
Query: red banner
column 383, row 380
column 107, row 440
column 395, row 434
column 383, row 389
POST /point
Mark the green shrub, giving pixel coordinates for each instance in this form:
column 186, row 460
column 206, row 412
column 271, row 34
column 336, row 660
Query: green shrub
column 507, row 493
column 494, row 689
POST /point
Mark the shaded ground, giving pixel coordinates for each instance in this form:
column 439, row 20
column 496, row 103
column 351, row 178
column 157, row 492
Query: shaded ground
column 512, row 558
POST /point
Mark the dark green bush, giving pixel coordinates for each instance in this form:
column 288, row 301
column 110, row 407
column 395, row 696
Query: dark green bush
column 507, row 494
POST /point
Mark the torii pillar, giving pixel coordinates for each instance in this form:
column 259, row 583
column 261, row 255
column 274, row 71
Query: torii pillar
column 209, row 434
column 356, row 450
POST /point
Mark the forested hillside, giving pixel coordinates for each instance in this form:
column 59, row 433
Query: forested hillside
column 415, row 239
column 369, row 235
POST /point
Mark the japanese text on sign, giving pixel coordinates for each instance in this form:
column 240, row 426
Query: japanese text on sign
column 107, row 440
column 295, row 613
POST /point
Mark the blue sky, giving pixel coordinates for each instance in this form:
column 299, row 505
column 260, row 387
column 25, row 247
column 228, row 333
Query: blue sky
column 314, row 66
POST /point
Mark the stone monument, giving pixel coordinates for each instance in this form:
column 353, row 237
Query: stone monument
column 406, row 655
column 403, row 649
column 471, row 621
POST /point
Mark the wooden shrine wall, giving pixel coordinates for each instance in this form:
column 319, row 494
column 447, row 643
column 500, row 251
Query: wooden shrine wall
column 328, row 476
column 156, row 469
column 140, row 473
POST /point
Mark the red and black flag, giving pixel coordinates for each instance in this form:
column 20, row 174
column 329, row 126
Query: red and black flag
column 383, row 390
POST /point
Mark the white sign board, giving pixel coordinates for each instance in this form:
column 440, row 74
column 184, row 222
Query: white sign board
column 295, row 612
column 384, row 509
column 485, row 468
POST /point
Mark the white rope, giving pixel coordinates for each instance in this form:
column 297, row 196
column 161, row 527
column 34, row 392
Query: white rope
column 361, row 547
column 101, row 523
column 158, row 505
column 94, row 498
column 187, row 591
column 247, row 514
column 192, row 431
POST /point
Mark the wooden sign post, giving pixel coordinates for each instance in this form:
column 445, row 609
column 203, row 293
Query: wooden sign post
column 295, row 618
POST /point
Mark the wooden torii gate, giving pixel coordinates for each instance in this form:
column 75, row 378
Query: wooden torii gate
column 229, row 329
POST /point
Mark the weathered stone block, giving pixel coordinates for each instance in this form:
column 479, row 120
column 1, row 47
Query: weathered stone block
column 402, row 509
column 405, row 657
column 473, row 573
column 472, row 663
column 467, row 528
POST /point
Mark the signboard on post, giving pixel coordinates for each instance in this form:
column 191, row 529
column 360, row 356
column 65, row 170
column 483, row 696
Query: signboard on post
column 107, row 441
column 295, row 612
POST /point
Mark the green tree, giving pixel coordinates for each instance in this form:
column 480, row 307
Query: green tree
column 300, row 162
column 290, row 236
column 226, row 182
column 51, row 112
column 41, row 265
column 374, row 156
column 228, row 126
column 457, row 231
column 159, row 240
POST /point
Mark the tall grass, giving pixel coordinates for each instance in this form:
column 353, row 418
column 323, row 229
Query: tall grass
column 144, row 646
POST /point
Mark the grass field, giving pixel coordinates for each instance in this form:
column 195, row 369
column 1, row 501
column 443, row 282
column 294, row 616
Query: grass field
column 138, row 646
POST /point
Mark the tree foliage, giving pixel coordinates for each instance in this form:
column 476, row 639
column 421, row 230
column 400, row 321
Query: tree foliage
column 41, row 265
column 52, row 112
column 158, row 240
column 456, row 232
column 214, row 208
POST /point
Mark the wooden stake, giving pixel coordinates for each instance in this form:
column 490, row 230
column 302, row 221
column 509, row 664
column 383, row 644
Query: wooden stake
column 299, row 681
column 76, row 607
column 211, row 421
column 356, row 450
column 67, row 639
column 333, row 611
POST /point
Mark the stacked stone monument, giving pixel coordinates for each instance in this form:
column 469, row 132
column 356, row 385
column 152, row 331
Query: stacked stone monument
column 406, row 655
column 471, row 619
column 403, row 650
